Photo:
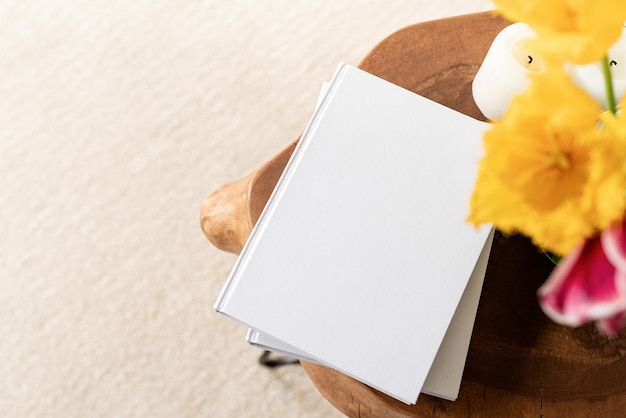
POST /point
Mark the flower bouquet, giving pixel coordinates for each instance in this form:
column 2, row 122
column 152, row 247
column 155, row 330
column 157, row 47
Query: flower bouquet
column 554, row 164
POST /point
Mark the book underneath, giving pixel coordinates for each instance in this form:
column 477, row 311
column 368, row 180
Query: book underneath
column 362, row 260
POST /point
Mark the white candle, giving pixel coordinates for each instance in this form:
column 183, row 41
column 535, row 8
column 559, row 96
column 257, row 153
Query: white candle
column 504, row 71
column 591, row 78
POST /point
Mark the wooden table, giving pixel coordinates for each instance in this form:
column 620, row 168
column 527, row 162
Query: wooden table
column 520, row 364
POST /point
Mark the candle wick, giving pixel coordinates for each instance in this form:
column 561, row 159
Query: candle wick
column 613, row 62
column 530, row 59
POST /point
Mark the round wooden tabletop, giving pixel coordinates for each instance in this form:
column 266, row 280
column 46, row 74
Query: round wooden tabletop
column 520, row 364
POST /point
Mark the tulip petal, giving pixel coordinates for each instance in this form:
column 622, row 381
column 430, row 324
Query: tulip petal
column 614, row 244
column 584, row 286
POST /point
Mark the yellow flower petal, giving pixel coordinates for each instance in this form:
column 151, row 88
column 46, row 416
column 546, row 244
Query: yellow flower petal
column 578, row 31
column 550, row 171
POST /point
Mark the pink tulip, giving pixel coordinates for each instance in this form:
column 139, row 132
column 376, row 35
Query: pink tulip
column 590, row 284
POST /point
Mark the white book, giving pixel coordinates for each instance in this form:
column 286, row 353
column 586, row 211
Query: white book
column 362, row 253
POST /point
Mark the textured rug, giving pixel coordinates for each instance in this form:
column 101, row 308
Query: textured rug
column 116, row 120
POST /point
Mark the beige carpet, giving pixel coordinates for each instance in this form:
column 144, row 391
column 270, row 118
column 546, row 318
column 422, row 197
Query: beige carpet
column 116, row 120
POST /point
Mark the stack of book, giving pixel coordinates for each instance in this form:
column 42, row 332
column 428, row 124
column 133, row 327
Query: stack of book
column 362, row 260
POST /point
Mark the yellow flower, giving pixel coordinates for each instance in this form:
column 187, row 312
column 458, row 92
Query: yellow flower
column 578, row 31
column 550, row 171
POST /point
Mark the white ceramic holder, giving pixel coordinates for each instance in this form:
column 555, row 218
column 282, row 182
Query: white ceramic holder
column 504, row 71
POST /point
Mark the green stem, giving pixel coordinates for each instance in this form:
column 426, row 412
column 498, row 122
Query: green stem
column 608, row 84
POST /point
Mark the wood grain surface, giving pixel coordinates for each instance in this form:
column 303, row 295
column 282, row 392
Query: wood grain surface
column 520, row 364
